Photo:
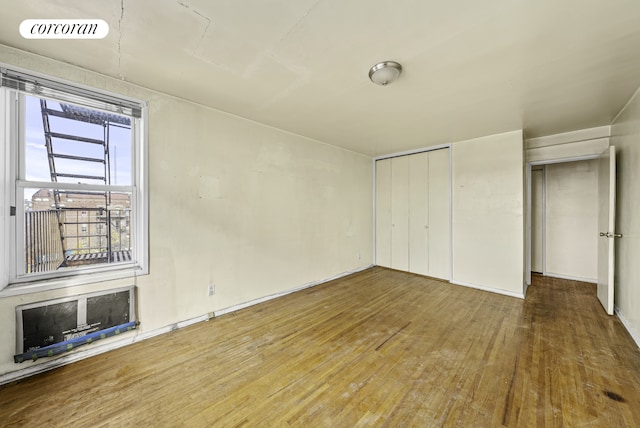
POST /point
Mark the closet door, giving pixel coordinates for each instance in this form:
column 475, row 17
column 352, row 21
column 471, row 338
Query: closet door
column 419, row 213
column 537, row 220
column 400, row 213
column 439, row 214
column 383, row 212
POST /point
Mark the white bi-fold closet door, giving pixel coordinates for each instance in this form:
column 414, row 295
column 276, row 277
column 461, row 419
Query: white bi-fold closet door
column 413, row 213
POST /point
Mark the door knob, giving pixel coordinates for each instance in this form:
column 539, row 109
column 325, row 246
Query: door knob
column 611, row 235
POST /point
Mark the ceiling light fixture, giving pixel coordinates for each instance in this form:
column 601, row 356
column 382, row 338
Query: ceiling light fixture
column 385, row 72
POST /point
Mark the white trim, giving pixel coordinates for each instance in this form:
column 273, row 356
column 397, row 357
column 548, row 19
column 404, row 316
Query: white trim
column 413, row 152
column 567, row 152
column 375, row 214
column 528, row 240
column 489, row 289
column 284, row 293
column 569, row 137
column 543, row 169
column 10, row 138
column 632, row 332
column 544, row 218
column 171, row 327
column 571, row 278
column 450, row 212
column 529, row 212
column 5, row 191
column 141, row 189
column 187, row 323
column 112, row 272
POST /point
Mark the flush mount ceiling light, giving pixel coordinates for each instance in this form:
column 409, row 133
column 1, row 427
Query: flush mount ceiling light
column 385, row 72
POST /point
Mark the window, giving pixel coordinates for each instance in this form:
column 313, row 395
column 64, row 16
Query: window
column 73, row 166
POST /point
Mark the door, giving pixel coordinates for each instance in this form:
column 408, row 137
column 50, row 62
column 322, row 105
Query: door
column 400, row 213
column 383, row 212
column 606, row 227
column 419, row 213
column 537, row 220
column 413, row 213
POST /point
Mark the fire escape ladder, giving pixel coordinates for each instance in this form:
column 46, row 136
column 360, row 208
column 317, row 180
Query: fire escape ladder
column 74, row 166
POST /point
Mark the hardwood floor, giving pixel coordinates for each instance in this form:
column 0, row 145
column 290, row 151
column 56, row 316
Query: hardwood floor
column 378, row 348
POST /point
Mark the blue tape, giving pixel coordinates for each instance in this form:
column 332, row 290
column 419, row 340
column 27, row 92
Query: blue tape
column 68, row 345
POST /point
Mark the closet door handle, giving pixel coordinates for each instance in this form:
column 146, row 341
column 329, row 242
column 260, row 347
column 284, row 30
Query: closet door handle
column 611, row 235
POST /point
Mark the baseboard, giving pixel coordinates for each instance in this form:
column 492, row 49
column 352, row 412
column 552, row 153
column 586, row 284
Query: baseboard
column 632, row 332
column 489, row 289
column 571, row 278
column 284, row 293
column 135, row 336
column 169, row 328
column 82, row 353
column 92, row 350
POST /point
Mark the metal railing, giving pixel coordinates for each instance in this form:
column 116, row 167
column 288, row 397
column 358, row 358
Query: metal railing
column 43, row 244
column 89, row 236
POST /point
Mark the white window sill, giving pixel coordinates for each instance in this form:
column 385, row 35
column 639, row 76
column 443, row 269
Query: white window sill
column 72, row 280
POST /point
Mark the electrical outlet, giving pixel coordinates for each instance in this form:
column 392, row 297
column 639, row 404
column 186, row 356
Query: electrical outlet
column 211, row 290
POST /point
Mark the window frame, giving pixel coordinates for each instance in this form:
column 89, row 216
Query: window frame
column 12, row 183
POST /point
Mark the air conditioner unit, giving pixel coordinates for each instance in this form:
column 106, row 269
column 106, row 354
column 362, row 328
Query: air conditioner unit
column 48, row 328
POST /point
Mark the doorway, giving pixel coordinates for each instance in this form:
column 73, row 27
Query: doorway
column 563, row 219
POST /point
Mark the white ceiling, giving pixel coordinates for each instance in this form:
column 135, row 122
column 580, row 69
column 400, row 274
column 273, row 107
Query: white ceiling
column 471, row 68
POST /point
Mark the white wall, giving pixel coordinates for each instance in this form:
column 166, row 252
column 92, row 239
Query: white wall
column 572, row 220
column 625, row 136
column 440, row 214
column 254, row 209
column 488, row 212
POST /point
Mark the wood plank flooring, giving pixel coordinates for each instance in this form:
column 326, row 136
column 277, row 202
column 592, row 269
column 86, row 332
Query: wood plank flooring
column 378, row 348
